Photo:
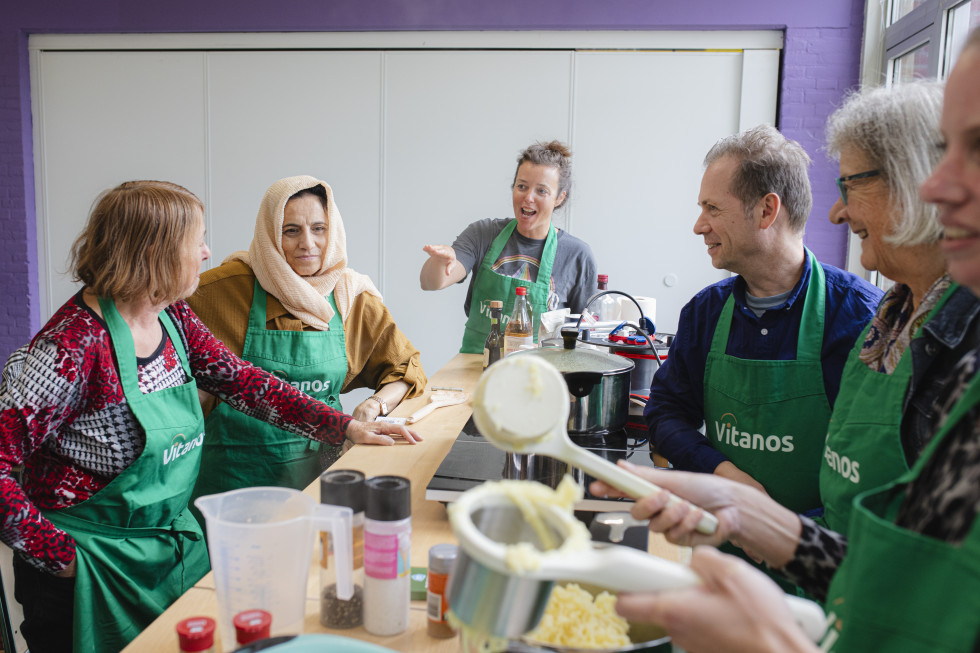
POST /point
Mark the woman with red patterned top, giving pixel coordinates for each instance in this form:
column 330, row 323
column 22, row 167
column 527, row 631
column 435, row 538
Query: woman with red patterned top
column 102, row 412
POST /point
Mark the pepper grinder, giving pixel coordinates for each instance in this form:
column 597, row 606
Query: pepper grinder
column 345, row 488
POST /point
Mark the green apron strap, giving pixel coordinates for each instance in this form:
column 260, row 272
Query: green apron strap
column 810, row 341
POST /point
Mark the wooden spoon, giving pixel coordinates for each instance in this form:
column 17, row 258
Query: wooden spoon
column 438, row 399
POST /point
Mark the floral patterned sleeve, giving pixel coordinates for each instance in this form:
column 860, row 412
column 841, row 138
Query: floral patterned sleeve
column 252, row 390
column 818, row 556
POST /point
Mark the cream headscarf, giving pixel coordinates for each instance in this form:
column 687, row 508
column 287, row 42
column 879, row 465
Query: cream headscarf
column 304, row 297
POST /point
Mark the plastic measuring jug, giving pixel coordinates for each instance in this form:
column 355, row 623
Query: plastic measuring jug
column 260, row 541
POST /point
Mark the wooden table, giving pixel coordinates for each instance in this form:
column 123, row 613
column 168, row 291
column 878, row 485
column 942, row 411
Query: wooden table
column 429, row 523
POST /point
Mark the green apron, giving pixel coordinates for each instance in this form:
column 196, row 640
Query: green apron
column 900, row 591
column 137, row 547
column 242, row 451
column 492, row 286
column 770, row 417
column 863, row 449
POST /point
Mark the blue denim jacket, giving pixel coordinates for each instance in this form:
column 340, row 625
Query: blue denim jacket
column 950, row 334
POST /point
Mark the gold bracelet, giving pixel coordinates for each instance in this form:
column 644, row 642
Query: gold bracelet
column 384, row 406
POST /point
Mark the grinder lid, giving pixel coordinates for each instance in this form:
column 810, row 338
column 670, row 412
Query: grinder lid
column 389, row 498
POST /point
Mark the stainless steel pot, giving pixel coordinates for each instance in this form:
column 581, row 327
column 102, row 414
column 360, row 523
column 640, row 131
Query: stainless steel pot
column 598, row 384
column 510, row 605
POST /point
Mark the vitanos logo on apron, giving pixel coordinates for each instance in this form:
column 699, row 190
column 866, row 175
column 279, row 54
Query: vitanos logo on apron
column 727, row 432
column 180, row 446
column 309, row 387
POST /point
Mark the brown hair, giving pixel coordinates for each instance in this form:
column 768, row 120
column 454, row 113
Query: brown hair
column 768, row 162
column 554, row 154
column 136, row 241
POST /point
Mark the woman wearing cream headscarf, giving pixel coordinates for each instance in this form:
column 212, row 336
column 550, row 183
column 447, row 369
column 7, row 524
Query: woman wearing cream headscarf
column 292, row 306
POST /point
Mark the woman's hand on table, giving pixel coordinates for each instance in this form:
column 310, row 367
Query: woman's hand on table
column 366, row 411
column 383, row 433
column 737, row 608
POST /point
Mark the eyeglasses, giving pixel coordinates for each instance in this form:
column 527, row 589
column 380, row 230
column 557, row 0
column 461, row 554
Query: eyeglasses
column 861, row 175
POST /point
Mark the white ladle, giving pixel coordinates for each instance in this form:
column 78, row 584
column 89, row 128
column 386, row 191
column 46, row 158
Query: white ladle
column 521, row 405
column 475, row 594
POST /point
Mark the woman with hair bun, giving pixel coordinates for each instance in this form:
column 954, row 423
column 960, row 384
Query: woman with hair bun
column 558, row 269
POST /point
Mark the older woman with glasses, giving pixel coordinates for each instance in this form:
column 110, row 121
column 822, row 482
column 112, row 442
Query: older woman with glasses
column 885, row 141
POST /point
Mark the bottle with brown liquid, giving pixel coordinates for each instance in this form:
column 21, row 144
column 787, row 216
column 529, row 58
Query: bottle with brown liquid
column 494, row 346
column 519, row 328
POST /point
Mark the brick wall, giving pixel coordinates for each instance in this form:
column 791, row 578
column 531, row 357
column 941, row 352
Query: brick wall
column 818, row 68
column 18, row 254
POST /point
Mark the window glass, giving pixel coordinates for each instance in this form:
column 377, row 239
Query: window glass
column 914, row 64
column 903, row 7
column 960, row 20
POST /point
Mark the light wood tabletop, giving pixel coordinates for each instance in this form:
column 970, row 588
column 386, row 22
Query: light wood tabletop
column 430, row 525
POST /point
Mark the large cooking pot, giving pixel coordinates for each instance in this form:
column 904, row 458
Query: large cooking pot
column 598, row 384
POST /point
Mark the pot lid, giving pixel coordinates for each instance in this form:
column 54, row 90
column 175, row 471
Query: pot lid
column 581, row 360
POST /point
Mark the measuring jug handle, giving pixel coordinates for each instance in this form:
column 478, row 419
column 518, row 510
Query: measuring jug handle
column 337, row 521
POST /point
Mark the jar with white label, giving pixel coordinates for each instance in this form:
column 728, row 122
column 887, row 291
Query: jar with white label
column 387, row 554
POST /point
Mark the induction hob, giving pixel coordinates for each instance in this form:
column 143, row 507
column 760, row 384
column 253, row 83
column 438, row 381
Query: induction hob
column 473, row 460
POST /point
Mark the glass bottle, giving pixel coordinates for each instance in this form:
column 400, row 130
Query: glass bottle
column 345, row 488
column 387, row 555
column 607, row 309
column 519, row 329
column 494, row 346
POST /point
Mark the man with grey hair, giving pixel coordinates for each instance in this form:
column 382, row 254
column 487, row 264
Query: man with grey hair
column 758, row 357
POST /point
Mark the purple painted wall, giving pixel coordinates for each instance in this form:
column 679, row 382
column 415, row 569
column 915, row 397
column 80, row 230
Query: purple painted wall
column 821, row 61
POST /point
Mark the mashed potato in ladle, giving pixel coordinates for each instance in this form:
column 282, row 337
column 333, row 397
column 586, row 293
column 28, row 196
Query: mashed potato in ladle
column 521, row 405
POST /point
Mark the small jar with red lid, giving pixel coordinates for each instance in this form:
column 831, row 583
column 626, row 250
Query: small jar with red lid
column 196, row 634
column 252, row 625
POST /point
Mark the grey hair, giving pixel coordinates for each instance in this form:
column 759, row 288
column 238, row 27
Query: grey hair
column 554, row 154
column 897, row 129
column 768, row 162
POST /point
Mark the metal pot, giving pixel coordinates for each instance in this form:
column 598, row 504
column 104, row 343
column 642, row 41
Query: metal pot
column 598, row 384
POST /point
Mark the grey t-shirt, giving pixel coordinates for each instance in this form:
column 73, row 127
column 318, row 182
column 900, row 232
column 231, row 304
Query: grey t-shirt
column 573, row 275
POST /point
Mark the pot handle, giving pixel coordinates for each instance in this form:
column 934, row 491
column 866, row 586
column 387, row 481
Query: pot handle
column 580, row 384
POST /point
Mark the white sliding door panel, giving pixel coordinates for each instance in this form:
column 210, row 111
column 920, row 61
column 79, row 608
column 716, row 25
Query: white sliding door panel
column 643, row 123
column 416, row 143
column 102, row 118
column 760, row 88
column 279, row 114
column 455, row 123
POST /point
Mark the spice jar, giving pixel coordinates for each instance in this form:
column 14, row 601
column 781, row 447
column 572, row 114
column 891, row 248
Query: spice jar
column 387, row 554
column 252, row 625
column 196, row 634
column 441, row 560
column 345, row 488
